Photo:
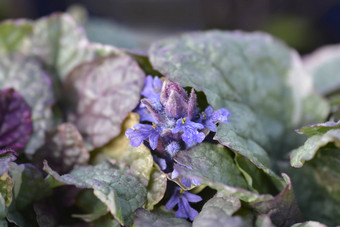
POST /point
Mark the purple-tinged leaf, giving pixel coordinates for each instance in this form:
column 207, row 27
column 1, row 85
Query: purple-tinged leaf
column 6, row 156
column 63, row 149
column 282, row 209
column 26, row 76
column 15, row 120
column 100, row 95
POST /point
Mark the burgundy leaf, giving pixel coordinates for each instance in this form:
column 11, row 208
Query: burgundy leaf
column 15, row 120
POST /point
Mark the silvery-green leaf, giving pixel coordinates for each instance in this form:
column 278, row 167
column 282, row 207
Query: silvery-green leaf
column 148, row 219
column 324, row 65
column 215, row 216
column 213, row 166
column 257, row 78
column 15, row 36
column 27, row 77
column 121, row 192
column 313, row 145
column 318, row 129
column 100, row 94
column 61, row 43
column 227, row 203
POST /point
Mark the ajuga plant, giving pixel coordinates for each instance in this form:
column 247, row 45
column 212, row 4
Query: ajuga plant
column 201, row 129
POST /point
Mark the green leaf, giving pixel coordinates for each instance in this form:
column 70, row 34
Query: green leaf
column 148, row 219
column 100, row 94
column 90, row 205
column 257, row 78
column 315, row 202
column 156, row 188
column 215, row 216
column 29, row 185
column 313, row 145
column 324, row 65
column 6, row 186
column 318, row 129
column 26, row 75
column 255, row 177
column 121, row 192
column 15, row 36
column 63, row 149
column 3, row 223
column 213, row 166
column 138, row 159
column 229, row 204
column 282, row 209
column 106, row 221
column 61, row 43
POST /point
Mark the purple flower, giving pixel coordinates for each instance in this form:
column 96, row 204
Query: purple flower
column 209, row 117
column 190, row 135
column 182, row 199
column 145, row 114
column 187, row 182
column 141, row 132
column 152, row 88
column 152, row 91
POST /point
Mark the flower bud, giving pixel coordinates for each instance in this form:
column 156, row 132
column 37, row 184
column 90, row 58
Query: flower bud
column 175, row 99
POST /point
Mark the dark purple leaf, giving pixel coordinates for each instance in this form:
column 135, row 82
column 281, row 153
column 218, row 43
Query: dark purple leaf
column 100, row 94
column 6, row 156
column 63, row 149
column 15, row 120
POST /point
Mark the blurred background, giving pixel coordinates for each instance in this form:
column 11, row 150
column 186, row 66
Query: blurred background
column 302, row 24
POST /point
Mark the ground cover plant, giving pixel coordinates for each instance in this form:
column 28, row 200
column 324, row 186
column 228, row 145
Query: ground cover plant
column 214, row 128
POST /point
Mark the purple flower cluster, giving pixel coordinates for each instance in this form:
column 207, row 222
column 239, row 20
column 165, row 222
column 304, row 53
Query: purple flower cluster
column 182, row 199
column 172, row 122
column 176, row 121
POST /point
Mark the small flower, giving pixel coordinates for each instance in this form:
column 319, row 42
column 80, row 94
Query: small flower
column 152, row 88
column 145, row 114
column 141, row 132
column 182, row 199
column 209, row 117
column 187, row 182
column 190, row 135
